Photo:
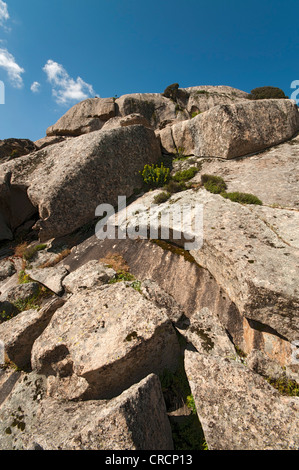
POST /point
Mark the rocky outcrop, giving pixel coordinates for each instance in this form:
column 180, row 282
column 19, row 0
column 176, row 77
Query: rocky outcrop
column 88, row 116
column 66, row 182
column 235, row 130
column 238, row 409
column 159, row 110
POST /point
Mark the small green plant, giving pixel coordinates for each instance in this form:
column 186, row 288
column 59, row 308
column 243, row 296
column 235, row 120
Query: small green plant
column 202, row 92
column 191, row 404
column 213, row 184
column 30, row 252
column 242, row 198
column 185, row 175
column 122, row 276
column 267, row 92
column 162, row 197
column 155, row 176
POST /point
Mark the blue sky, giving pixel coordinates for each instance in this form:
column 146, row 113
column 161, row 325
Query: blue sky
column 73, row 49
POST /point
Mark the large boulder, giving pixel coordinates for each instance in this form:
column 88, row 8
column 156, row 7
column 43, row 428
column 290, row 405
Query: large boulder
column 273, row 176
column 235, row 130
column 67, row 181
column 237, row 408
column 87, row 116
column 136, row 420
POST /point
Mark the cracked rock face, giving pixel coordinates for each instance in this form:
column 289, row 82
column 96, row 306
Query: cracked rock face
column 110, row 336
column 67, row 181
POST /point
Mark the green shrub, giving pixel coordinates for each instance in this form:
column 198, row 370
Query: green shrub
column 155, row 176
column 162, row 197
column 185, row 175
column 242, row 198
column 267, row 92
column 213, row 184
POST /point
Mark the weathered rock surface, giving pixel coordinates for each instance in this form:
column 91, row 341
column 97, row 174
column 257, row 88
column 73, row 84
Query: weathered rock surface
column 90, row 275
column 46, row 141
column 235, row 130
column 66, row 182
column 14, row 148
column 110, row 336
column 136, row 420
column 238, row 409
column 88, row 116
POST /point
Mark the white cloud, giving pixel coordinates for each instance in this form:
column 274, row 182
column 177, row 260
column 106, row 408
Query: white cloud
column 14, row 71
column 35, row 87
column 4, row 15
column 66, row 89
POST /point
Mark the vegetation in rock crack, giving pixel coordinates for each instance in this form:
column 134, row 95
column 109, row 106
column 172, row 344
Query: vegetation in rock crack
column 161, row 198
column 214, row 184
column 267, row 92
column 24, row 278
column 117, row 262
column 59, row 257
column 155, row 176
column 195, row 113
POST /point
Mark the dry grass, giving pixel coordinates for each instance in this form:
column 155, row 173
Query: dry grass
column 116, row 262
column 60, row 257
column 20, row 250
